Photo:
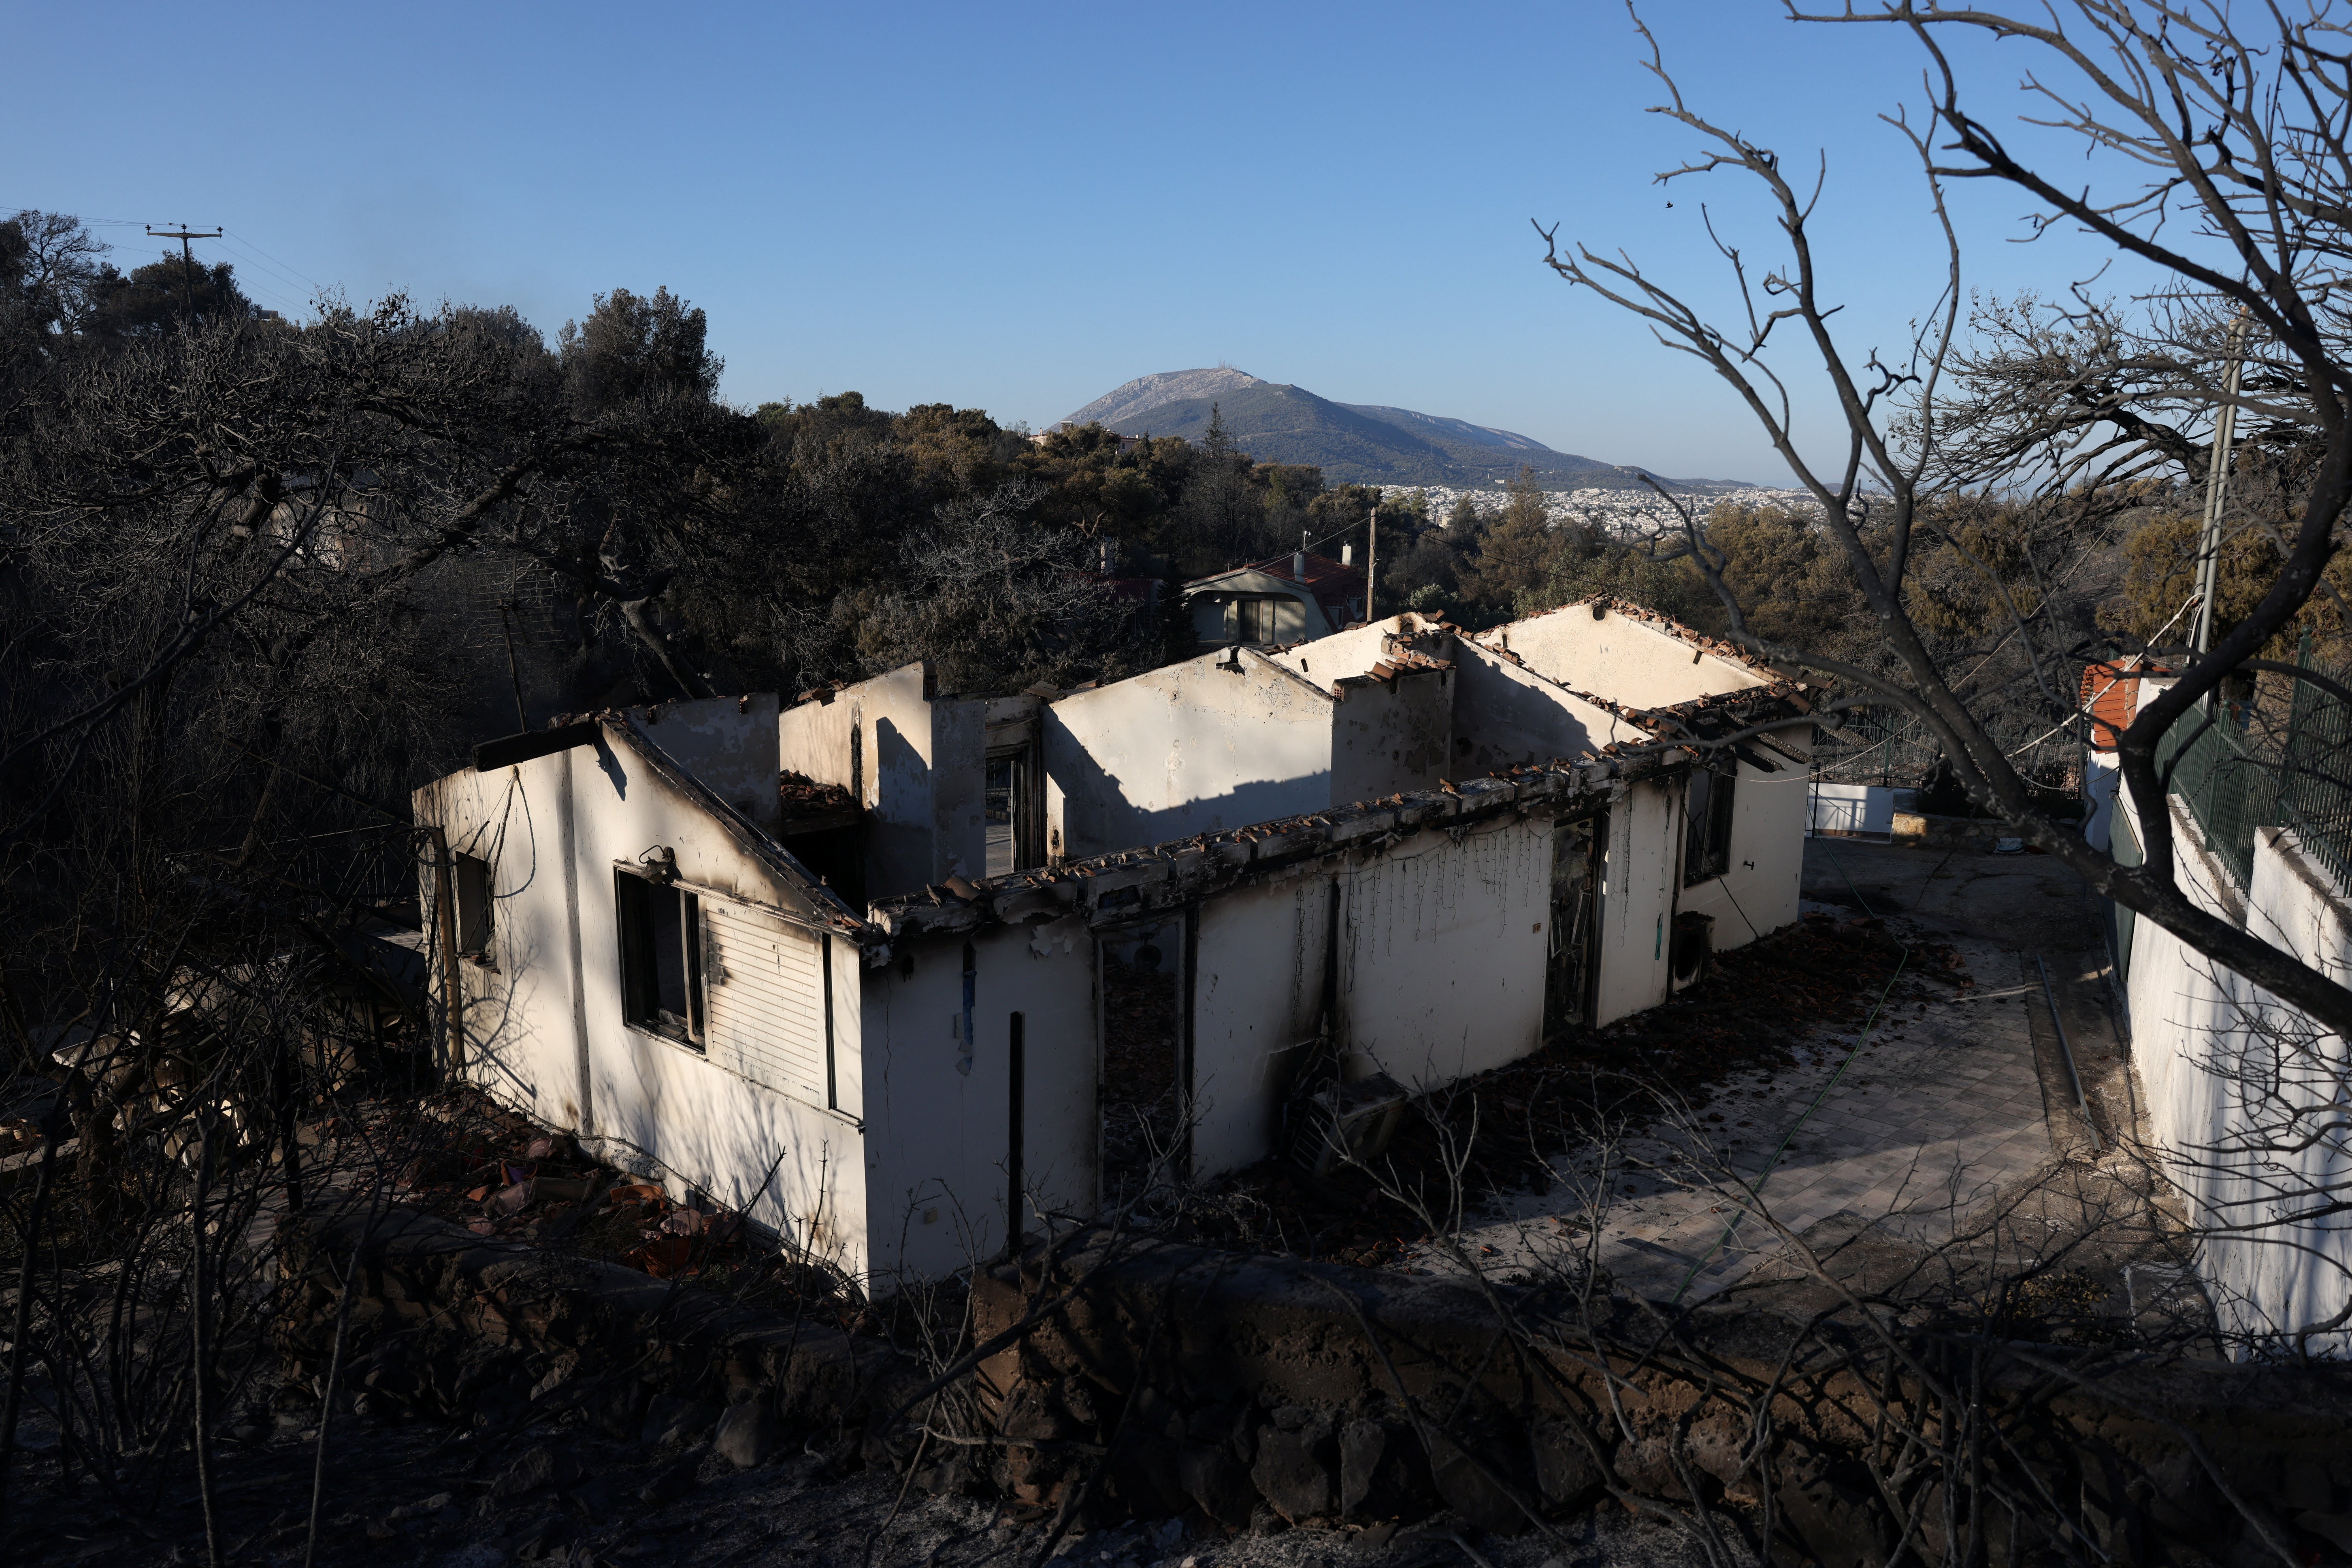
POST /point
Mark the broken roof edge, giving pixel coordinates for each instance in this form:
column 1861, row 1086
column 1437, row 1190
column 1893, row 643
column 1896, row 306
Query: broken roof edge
column 1131, row 882
column 828, row 908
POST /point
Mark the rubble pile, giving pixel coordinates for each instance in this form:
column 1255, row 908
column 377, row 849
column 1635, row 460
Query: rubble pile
column 499, row 1176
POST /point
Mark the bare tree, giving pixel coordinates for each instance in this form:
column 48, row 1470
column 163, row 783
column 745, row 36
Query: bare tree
column 2221, row 161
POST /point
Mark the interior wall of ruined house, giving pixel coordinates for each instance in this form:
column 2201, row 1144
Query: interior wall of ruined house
column 1223, row 741
column 1758, row 895
column 1504, row 715
column 2220, row 1061
column 1392, row 735
column 1618, row 657
column 545, row 1028
column 918, row 765
column 940, row 1122
column 729, row 744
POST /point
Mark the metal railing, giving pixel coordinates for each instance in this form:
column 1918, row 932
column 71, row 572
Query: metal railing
column 2232, row 789
column 2228, row 790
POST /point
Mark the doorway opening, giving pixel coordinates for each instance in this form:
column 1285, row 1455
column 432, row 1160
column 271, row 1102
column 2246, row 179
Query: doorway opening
column 1142, row 1092
column 1014, row 808
column 1570, row 977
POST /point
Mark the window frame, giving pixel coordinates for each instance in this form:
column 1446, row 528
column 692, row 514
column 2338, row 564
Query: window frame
column 473, row 888
column 1707, row 822
column 636, row 933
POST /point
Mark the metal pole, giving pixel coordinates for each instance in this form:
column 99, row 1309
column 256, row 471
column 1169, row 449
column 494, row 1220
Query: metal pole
column 2217, row 483
column 2081, row 1104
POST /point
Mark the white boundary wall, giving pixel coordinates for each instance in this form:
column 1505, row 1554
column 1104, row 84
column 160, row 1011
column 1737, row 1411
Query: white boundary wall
column 2204, row 1041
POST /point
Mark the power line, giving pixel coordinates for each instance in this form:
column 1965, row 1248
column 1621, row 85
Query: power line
column 288, row 265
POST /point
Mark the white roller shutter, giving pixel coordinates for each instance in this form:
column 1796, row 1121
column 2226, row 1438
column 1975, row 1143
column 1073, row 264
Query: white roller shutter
column 764, row 984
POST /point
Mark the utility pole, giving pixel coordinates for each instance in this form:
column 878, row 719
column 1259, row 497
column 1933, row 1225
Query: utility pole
column 2217, row 484
column 1372, row 563
column 187, row 260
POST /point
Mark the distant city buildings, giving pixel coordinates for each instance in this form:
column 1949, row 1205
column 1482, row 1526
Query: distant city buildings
column 1619, row 513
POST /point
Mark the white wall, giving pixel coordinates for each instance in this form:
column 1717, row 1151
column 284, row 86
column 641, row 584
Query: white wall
column 1191, row 748
column 1442, row 951
column 1504, row 715
column 1852, row 809
column 1391, row 736
column 2204, row 1041
column 1257, row 998
column 1758, row 895
column 1620, row 657
column 1441, row 961
column 545, row 1029
column 937, row 1135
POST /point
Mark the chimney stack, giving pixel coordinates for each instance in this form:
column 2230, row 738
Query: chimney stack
column 1347, row 555
column 1298, row 562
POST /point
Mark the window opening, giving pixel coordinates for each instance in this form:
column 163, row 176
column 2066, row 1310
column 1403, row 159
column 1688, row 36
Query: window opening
column 1707, row 822
column 469, row 877
column 661, row 956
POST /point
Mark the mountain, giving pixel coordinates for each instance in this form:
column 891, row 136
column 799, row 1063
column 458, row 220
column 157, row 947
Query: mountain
column 1352, row 443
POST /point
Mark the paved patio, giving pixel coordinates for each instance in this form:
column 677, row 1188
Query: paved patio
column 1947, row 1105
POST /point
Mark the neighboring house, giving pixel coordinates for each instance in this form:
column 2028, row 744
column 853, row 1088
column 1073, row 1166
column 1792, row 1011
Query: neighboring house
column 1288, row 599
column 866, row 1007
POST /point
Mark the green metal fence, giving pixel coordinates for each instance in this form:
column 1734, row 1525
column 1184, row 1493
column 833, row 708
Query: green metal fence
column 2306, row 783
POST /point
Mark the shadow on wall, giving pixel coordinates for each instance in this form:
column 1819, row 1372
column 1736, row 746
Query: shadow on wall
column 1099, row 819
column 901, row 828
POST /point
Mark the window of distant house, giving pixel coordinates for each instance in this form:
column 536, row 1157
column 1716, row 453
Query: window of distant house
column 1707, row 822
column 661, row 956
column 470, row 879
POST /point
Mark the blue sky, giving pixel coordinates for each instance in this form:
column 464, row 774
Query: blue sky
column 1019, row 208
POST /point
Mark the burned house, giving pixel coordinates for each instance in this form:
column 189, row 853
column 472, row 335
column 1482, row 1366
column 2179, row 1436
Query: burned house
column 895, row 1000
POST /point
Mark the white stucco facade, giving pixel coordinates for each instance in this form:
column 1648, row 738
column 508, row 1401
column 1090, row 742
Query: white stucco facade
column 2243, row 1090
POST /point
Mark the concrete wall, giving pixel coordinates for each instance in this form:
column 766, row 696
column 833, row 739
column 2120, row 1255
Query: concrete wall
column 938, row 1136
column 1504, row 714
column 545, row 1030
column 1617, row 656
column 1392, row 735
column 728, row 743
column 2216, row 1055
column 1218, row 742
column 918, row 765
column 1641, row 868
column 1851, row 810
column 1257, row 998
column 1442, row 952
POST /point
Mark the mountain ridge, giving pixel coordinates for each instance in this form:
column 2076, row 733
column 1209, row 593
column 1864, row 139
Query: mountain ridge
column 1352, row 443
